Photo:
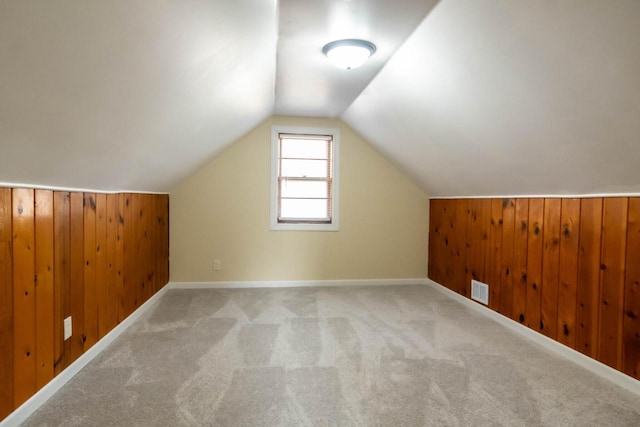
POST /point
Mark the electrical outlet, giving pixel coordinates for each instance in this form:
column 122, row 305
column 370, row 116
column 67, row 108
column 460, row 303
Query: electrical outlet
column 68, row 328
column 216, row 265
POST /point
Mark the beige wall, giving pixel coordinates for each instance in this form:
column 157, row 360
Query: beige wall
column 222, row 212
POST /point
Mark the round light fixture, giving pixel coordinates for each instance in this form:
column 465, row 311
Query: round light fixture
column 349, row 53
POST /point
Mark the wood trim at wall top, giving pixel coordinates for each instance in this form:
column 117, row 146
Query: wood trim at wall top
column 75, row 190
column 540, row 196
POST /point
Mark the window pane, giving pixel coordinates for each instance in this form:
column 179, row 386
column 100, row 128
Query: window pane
column 304, row 168
column 304, row 148
column 303, row 208
column 292, row 188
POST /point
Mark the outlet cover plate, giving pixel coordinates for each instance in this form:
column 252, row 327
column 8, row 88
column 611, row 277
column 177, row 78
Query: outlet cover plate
column 68, row 328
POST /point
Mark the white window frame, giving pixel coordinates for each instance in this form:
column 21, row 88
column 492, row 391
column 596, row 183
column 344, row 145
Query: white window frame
column 335, row 214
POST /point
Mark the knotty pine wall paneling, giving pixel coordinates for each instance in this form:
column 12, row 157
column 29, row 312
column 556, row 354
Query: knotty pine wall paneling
column 506, row 246
column 494, row 255
column 588, row 292
column 6, row 304
column 458, row 230
column 62, row 278
column 550, row 268
column 129, row 257
column 465, row 288
column 102, row 298
column 111, row 284
column 119, row 259
column 568, row 268
column 44, row 295
column 434, row 230
column 612, row 269
column 534, row 263
column 568, row 272
column 631, row 312
column 24, row 304
column 91, row 256
column 520, row 245
column 76, row 260
column 90, row 335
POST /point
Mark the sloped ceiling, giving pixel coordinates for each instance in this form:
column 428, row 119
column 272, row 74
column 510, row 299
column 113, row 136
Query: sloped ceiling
column 513, row 98
column 471, row 98
column 129, row 95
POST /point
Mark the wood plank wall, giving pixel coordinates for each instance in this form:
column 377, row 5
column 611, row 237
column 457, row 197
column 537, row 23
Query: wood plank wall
column 94, row 257
column 567, row 268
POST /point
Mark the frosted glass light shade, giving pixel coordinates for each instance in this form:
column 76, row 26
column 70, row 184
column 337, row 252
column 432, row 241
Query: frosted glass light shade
column 349, row 53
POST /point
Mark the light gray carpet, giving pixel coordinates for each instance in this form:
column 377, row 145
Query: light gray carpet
column 371, row 356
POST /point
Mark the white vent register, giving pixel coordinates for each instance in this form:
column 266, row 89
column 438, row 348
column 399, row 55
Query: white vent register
column 480, row 292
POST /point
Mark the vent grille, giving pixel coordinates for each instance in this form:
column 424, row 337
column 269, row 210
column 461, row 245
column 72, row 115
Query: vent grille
column 480, row 292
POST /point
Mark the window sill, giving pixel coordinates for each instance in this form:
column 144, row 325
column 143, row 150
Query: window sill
column 304, row 227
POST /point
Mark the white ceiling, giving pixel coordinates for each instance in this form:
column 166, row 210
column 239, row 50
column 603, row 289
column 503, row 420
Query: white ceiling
column 479, row 98
column 307, row 84
column 513, row 98
column 132, row 95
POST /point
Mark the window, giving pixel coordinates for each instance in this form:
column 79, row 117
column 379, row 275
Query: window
column 304, row 178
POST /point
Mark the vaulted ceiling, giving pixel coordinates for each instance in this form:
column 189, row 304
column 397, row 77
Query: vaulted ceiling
column 468, row 97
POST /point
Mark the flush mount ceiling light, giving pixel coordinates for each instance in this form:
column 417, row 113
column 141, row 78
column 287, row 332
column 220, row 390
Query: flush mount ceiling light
column 349, row 53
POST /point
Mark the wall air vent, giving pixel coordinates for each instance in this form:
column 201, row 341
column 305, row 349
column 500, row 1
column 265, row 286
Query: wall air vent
column 480, row 292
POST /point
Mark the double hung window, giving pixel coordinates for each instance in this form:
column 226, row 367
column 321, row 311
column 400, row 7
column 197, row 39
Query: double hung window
column 304, row 182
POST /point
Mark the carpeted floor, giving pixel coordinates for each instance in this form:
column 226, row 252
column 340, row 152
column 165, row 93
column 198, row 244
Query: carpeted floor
column 371, row 356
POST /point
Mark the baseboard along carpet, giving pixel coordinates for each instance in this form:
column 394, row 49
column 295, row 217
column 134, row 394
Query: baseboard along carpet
column 361, row 356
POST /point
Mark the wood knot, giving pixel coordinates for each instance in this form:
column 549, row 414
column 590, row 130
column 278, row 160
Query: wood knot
column 565, row 329
column 521, row 318
column 92, row 203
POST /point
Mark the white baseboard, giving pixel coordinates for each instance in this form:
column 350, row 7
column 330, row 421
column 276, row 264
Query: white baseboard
column 598, row 368
column 30, row 406
column 295, row 283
